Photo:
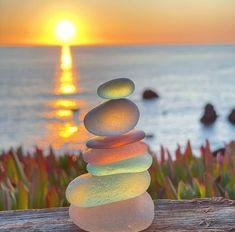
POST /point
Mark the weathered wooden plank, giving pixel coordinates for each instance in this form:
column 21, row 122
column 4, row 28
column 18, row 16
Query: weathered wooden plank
column 210, row 215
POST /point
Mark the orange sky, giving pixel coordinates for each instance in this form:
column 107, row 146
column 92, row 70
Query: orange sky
column 119, row 21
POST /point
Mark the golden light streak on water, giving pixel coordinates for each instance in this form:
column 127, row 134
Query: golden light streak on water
column 65, row 129
column 66, row 80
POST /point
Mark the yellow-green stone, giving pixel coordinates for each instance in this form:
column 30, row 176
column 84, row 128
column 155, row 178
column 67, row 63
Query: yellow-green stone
column 117, row 88
column 137, row 164
column 88, row 191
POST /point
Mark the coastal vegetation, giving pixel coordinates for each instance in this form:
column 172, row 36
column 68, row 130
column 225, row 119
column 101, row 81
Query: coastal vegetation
column 38, row 180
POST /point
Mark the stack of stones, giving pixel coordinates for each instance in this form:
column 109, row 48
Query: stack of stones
column 112, row 197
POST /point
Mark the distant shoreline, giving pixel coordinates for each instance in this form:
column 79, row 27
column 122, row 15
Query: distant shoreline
column 119, row 45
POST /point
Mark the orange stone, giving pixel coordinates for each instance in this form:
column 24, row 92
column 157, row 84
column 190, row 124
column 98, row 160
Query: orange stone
column 100, row 142
column 107, row 156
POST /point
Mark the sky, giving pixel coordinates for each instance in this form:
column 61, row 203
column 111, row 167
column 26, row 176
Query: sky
column 119, row 21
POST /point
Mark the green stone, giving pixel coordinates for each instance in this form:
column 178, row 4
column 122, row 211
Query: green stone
column 117, row 88
column 137, row 164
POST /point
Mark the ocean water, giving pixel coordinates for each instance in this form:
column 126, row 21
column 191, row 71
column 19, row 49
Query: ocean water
column 46, row 91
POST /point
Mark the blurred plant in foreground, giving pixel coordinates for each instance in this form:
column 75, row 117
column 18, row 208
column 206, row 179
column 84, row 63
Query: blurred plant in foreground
column 35, row 180
column 39, row 181
column 188, row 176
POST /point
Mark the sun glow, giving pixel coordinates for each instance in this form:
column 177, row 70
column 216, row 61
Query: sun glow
column 65, row 31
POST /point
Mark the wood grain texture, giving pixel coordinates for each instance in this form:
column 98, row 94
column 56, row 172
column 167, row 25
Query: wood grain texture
column 210, row 215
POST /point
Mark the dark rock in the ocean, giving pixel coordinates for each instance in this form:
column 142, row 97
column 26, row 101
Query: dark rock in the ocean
column 149, row 94
column 219, row 150
column 149, row 136
column 231, row 117
column 209, row 115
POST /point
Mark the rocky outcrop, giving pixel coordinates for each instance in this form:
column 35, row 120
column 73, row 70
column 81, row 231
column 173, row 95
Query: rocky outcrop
column 231, row 117
column 209, row 115
column 149, row 94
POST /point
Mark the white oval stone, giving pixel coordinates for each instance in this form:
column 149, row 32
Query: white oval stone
column 114, row 117
column 130, row 215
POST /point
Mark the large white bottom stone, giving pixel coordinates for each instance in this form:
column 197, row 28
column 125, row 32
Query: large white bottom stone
column 130, row 215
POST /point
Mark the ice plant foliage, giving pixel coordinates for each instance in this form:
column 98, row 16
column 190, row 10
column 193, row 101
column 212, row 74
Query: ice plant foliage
column 38, row 180
column 189, row 176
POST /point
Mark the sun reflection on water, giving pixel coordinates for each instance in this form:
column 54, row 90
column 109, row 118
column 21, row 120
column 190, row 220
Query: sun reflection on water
column 66, row 58
column 65, row 129
column 68, row 130
column 65, row 103
column 63, row 113
column 66, row 81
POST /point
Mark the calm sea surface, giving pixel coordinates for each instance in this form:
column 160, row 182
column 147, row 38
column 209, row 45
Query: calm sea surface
column 45, row 92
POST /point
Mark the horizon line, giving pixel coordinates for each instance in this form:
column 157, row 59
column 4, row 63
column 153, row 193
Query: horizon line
column 116, row 44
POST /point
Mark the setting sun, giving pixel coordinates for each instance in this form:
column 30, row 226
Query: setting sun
column 65, row 31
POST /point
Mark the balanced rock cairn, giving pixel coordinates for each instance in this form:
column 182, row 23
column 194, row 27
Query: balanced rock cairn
column 112, row 197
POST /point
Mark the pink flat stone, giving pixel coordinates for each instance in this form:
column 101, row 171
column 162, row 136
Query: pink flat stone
column 107, row 156
column 99, row 142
